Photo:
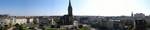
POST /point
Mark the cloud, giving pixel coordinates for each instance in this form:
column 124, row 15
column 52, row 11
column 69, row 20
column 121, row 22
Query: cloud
column 112, row 7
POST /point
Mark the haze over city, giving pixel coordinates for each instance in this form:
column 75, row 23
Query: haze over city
column 74, row 15
column 80, row 7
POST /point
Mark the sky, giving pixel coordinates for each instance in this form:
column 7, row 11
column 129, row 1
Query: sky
column 80, row 7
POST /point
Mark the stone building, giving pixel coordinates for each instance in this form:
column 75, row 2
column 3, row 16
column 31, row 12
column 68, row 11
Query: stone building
column 68, row 19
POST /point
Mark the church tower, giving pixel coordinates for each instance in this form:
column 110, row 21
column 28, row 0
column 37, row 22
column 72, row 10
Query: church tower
column 69, row 9
column 132, row 14
column 70, row 15
column 67, row 19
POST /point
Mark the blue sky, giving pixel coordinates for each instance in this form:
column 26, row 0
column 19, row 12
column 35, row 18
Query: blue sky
column 80, row 7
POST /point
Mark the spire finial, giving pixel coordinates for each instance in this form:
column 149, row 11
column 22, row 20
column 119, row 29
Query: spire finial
column 132, row 14
column 70, row 9
column 69, row 2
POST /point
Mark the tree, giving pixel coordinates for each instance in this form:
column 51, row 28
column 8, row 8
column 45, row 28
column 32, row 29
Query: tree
column 84, row 28
column 21, row 27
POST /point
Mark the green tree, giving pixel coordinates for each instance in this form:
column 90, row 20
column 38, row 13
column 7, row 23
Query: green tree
column 84, row 28
column 21, row 27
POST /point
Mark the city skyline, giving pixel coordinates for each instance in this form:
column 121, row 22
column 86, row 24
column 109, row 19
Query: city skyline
column 80, row 7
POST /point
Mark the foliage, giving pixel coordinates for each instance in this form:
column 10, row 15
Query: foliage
column 84, row 28
column 148, row 25
column 62, row 29
column 22, row 27
column 50, row 28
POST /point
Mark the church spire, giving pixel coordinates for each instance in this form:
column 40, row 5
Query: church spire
column 69, row 2
column 132, row 14
column 69, row 8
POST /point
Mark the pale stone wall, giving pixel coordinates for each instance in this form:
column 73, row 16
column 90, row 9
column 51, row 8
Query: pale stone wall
column 2, row 21
column 31, row 20
column 7, row 21
column 13, row 21
column 21, row 21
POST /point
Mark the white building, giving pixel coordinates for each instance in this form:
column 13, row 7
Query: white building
column 14, row 20
column 139, row 16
